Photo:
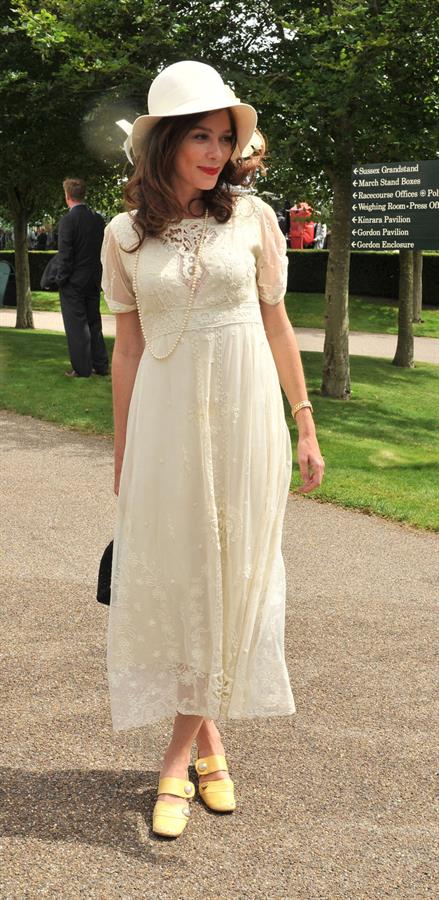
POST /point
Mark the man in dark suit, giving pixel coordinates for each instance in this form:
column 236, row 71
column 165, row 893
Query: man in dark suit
column 80, row 237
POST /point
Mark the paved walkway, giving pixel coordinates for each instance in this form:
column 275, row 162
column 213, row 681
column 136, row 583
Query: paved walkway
column 360, row 343
column 337, row 802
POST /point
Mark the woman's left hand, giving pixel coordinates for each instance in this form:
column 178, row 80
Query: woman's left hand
column 311, row 464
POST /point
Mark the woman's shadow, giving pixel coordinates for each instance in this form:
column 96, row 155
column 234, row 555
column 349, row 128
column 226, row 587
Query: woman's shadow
column 96, row 807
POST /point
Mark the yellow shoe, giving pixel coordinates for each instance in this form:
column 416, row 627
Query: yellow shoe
column 170, row 819
column 218, row 794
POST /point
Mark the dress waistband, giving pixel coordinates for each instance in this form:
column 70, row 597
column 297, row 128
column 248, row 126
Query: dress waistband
column 160, row 323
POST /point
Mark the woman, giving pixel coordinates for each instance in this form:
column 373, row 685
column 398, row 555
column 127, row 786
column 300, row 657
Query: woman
column 202, row 450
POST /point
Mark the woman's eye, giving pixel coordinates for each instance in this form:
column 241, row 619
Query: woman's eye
column 226, row 139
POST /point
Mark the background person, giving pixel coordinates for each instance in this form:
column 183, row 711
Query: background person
column 31, row 239
column 80, row 235
column 202, row 450
column 53, row 240
column 283, row 218
column 301, row 226
column 41, row 240
column 320, row 235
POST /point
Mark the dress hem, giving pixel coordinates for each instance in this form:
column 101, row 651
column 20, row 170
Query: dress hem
column 217, row 718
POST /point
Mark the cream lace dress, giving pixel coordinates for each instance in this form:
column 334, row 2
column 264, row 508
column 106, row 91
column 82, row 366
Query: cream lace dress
column 198, row 588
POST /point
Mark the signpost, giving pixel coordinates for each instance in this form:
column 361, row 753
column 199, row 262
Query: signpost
column 395, row 206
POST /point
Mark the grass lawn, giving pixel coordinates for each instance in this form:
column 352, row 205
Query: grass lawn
column 372, row 314
column 32, row 382
column 381, row 448
column 48, row 301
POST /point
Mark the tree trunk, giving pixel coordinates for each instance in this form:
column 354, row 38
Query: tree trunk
column 417, row 285
column 22, row 275
column 404, row 349
column 336, row 373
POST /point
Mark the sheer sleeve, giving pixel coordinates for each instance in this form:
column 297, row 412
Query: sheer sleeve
column 272, row 261
column 116, row 284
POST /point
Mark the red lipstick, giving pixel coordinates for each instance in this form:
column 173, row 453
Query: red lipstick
column 209, row 171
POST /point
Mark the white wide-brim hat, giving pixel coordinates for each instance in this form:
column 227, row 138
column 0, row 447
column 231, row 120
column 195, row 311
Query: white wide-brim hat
column 189, row 87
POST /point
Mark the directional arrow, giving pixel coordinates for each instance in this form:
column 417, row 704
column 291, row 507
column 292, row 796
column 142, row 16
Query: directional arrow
column 354, row 244
column 355, row 219
column 354, row 206
column 355, row 183
column 356, row 171
column 354, row 231
column 355, row 195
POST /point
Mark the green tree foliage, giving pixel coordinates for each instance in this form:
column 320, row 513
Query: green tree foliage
column 60, row 85
column 334, row 81
column 68, row 71
column 351, row 82
column 40, row 139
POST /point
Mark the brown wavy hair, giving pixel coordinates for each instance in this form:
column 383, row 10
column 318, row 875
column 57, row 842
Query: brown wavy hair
column 149, row 194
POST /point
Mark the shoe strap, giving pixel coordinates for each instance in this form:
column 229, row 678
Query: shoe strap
column 208, row 764
column 219, row 786
column 178, row 787
column 166, row 810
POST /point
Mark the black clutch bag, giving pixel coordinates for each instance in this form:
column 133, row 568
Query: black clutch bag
column 103, row 594
column 49, row 278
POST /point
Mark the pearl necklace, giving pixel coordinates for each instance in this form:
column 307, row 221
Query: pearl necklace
column 191, row 296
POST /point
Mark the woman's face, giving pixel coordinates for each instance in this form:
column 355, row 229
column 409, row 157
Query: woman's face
column 203, row 153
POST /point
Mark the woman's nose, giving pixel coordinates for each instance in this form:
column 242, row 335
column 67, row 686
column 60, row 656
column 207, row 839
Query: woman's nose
column 215, row 150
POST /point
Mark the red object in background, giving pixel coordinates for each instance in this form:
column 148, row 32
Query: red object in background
column 301, row 227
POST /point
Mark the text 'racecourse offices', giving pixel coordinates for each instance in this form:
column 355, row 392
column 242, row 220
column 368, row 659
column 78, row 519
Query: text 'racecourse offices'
column 395, row 206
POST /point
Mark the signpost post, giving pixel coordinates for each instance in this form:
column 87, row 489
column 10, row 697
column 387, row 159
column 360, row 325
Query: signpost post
column 395, row 206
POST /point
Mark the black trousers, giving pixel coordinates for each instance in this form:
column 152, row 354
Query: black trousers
column 83, row 326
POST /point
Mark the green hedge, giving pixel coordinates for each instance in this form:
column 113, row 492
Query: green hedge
column 372, row 274
column 38, row 260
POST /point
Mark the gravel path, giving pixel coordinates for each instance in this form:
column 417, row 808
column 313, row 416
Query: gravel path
column 337, row 802
column 360, row 342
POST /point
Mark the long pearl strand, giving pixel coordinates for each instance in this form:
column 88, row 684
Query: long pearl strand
column 191, row 296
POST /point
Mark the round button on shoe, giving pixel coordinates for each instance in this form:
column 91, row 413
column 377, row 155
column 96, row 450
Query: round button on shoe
column 202, row 767
column 186, row 811
column 188, row 789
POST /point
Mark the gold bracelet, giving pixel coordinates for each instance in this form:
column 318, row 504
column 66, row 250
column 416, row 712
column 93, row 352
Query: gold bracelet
column 303, row 404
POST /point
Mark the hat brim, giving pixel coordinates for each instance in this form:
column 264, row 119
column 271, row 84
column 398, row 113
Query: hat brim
column 245, row 118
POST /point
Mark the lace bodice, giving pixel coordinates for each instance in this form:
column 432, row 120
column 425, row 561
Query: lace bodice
column 243, row 261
